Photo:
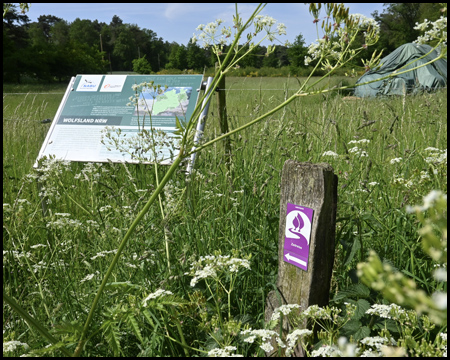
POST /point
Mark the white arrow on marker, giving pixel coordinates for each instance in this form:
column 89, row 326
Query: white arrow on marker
column 292, row 258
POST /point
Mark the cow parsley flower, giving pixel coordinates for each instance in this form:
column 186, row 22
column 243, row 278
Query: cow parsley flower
column 206, row 272
column 292, row 339
column 210, row 266
column 428, row 201
column 316, row 312
column 362, row 141
column 156, row 294
column 284, row 309
column 9, row 346
column 438, row 30
column 264, row 336
column 392, row 311
column 377, row 341
column 225, row 352
column 326, row 351
column 89, row 277
column 330, row 153
column 396, row 160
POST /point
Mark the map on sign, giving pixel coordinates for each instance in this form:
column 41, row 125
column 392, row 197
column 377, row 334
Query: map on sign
column 95, row 124
column 172, row 101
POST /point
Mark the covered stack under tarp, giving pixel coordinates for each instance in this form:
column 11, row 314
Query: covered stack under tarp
column 430, row 77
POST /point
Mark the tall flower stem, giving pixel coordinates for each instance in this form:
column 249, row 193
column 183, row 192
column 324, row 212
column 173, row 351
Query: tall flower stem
column 121, row 247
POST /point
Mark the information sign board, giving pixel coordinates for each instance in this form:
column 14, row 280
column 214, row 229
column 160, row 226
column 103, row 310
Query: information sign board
column 97, row 104
column 297, row 235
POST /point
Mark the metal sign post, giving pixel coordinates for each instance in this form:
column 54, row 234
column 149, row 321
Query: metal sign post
column 200, row 124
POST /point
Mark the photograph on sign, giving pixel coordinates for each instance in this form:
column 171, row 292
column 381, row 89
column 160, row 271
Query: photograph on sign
column 297, row 235
column 95, row 122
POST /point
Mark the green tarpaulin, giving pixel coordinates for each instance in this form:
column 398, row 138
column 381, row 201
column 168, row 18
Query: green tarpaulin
column 426, row 78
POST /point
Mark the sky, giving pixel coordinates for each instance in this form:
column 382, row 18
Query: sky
column 176, row 22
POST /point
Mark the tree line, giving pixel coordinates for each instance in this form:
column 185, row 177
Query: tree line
column 54, row 49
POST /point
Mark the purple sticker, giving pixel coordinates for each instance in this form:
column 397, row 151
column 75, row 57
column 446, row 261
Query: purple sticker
column 297, row 235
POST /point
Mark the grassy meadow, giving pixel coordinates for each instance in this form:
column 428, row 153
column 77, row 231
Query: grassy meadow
column 388, row 153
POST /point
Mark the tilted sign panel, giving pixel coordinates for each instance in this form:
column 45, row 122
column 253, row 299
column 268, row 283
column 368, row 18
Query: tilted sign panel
column 97, row 104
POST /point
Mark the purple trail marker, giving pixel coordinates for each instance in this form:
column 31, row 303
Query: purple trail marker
column 297, row 235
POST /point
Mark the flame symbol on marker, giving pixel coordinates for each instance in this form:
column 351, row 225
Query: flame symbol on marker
column 298, row 224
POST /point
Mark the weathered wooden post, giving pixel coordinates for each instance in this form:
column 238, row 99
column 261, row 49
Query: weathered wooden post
column 307, row 209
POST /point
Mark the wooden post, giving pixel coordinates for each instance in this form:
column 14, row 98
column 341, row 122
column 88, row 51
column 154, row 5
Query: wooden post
column 222, row 111
column 313, row 186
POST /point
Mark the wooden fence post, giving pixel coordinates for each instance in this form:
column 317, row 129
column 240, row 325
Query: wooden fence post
column 222, row 111
column 305, row 186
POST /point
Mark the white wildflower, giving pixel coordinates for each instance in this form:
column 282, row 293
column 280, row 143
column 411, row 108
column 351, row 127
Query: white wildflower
column 316, row 312
column 207, row 271
column 362, row 141
column 428, row 201
column 330, row 153
column 156, row 294
column 103, row 254
column 444, row 345
column 88, row 277
column 432, row 149
column 423, row 26
column 346, row 348
column 264, row 334
column 250, row 339
column 37, row 246
column 292, row 339
column 396, row 160
column 438, row 31
column 267, row 347
column 9, row 346
column 387, row 311
column 225, row 352
column 62, row 214
column 104, row 208
column 281, row 29
column 377, row 341
column 326, row 351
column 209, row 266
column 437, row 157
column 440, row 299
column 440, row 274
column 284, row 309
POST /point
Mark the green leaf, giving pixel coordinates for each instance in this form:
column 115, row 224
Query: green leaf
column 32, row 322
column 387, row 324
column 361, row 333
column 371, row 220
column 361, row 307
column 49, row 349
column 177, row 123
column 133, row 324
column 122, row 284
column 112, row 336
column 350, row 328
column 355, row 247
column 150, row 317
column 353, row 291
column 71, row 328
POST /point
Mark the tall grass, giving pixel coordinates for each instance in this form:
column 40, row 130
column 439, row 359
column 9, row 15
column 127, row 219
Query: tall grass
column 53, row 264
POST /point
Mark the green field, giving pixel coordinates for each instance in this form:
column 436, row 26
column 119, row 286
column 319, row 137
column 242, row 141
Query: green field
column 387, row 152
